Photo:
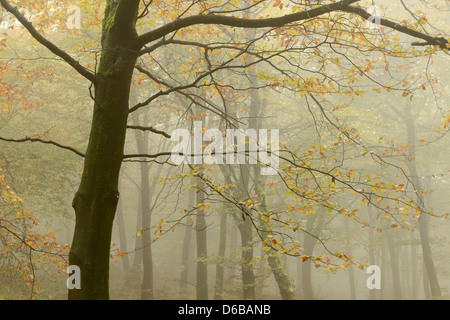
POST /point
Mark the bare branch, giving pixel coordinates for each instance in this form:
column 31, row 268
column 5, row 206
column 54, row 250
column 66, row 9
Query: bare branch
column 28, row 139
column 151, row 129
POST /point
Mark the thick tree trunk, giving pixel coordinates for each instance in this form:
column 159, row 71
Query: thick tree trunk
column 96, row 200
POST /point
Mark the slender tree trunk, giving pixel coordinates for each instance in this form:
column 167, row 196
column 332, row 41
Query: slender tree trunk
column 137, row 257
column 423, row 223
column 147, row 258
column 395, row 266
column 309, row 243
column 233, row 236
column 95, row 202
column 186, row 247
column 278, row 267
column 276, row 260
column 414, row 272
column 146, row 195
column 123, row 238
column 299, row 284
column 426, row 283
column 218, row 293
column 372, row 293
column 248, row 276
column 185, row 258
column 351, row 271
column 202, row 252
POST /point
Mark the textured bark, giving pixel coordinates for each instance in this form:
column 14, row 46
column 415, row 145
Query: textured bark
column 278, row 267
column 96, row 200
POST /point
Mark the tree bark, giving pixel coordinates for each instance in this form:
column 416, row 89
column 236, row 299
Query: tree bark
column 95, row 202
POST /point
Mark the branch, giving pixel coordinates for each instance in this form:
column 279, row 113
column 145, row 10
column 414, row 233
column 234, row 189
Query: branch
column 343, row 6
column 158, row 33
column 430, row 40
column 27, row 139
column 46, row 43
column 151, row 129
column 156, row 155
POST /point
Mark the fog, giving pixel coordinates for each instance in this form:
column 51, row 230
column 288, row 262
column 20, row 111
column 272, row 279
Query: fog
column 302, row 160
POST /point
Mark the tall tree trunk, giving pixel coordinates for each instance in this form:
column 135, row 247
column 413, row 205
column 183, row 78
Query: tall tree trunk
column 245, row 228
column 230, row 274
column 351, row 271
column 202, row 251
column 278, row 266
column 299, row 284
column 414, row 272
column 372, row 293
column 395, row 266
column 423, row 223
column 137, row 257
column 218, row 292
column 309, row 243
column 123, row 237
column 426, row 283
column 186, row 247
column 146, row 195
column 384, row 266
column 96, row 200
column 248, row 276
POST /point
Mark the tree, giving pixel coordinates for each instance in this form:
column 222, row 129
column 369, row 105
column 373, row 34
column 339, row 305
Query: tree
column 96, row 200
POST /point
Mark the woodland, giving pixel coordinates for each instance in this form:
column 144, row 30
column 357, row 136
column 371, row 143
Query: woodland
column 224, row 150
